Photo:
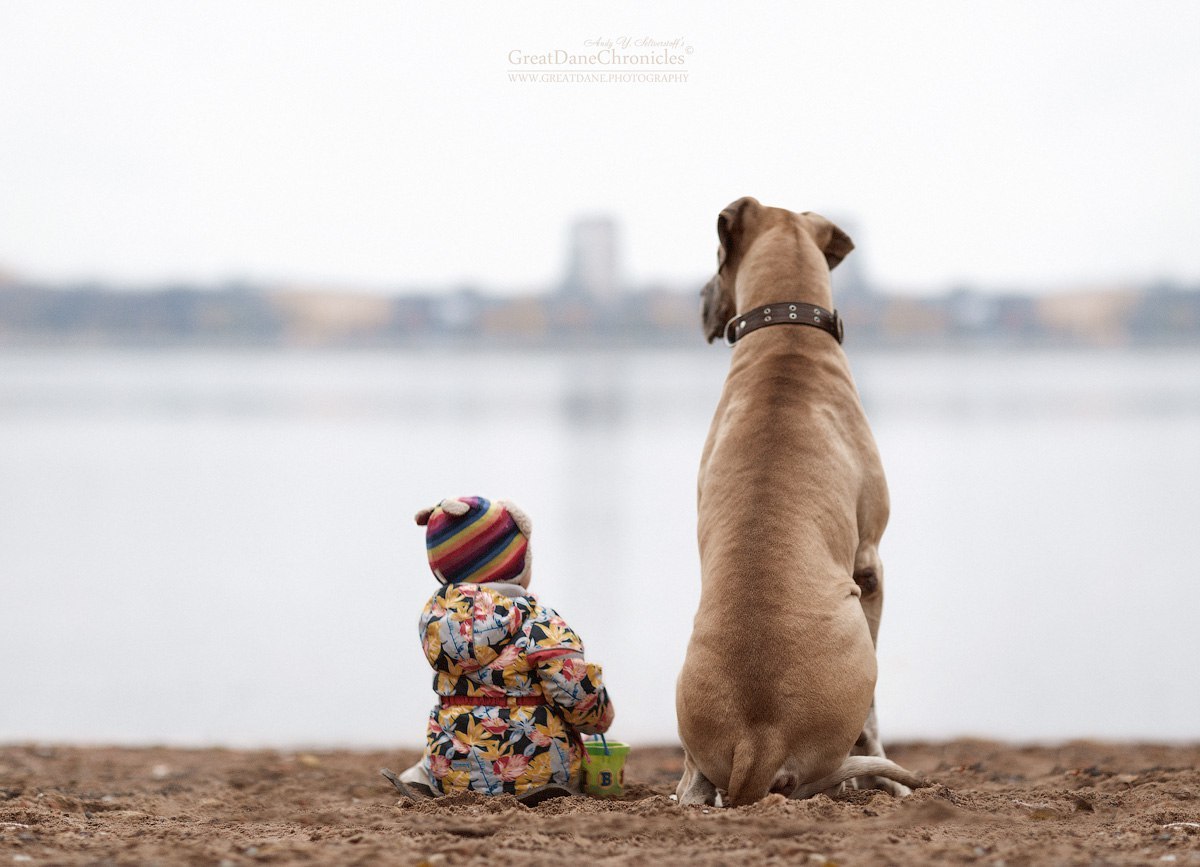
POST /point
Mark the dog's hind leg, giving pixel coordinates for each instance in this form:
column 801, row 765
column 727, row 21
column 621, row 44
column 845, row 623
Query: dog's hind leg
column 694, row 787
column 868, row 575
column 868, row 744
column 862, row 767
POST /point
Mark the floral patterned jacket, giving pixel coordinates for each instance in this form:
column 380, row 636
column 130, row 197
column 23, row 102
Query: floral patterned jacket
column 493, row 643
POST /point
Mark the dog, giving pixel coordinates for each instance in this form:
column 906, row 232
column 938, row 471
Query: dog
column 777, row 687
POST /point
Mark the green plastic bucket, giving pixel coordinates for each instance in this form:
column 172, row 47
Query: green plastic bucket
column 604, row 773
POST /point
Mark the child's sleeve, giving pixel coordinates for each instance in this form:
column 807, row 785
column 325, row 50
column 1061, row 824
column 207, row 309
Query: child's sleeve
column 573, row 684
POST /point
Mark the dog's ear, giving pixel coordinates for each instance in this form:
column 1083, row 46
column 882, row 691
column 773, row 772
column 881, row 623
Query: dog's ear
column 422, row 517
column 834, row 243
column 717, row 305
column 716, row 308
column 838, row 248
column 730, row 226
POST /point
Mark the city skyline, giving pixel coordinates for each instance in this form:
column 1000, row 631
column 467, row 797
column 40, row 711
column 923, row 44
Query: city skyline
column 572, row 315
column 592, row 265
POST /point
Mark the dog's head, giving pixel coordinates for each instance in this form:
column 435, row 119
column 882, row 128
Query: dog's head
column 738, row 225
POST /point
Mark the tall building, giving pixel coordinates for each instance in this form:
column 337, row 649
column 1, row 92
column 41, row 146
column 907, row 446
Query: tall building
column 592, row 266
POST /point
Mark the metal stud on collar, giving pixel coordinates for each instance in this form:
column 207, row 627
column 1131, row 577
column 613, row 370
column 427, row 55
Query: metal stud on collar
column 827, row 320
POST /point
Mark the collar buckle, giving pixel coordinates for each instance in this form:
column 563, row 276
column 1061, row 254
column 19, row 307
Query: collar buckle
column 730, row 331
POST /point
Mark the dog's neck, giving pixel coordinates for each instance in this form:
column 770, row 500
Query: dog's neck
column 782, row 267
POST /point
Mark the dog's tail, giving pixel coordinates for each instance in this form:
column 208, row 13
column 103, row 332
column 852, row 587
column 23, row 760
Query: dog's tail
column 754, row 767
column 861, row 766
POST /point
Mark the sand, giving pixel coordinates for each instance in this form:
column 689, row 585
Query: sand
column 1078, row 803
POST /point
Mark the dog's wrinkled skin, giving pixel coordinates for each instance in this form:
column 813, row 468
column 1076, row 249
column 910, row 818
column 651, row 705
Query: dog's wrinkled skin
column 777, row 688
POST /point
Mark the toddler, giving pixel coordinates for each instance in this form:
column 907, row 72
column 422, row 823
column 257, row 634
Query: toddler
column 514, row 690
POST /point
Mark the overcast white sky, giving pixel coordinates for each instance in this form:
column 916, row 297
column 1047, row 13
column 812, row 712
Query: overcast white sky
column 381, row 144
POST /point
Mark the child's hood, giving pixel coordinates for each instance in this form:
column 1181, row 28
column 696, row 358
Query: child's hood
column 483, row 618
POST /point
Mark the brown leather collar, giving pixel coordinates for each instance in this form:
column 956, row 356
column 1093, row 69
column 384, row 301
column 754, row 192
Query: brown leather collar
column 783, row 313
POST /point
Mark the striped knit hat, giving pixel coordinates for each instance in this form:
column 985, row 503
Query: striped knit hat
column 472, row 540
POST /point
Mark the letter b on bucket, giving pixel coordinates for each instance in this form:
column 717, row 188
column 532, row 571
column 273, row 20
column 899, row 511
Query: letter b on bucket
column 604, row 772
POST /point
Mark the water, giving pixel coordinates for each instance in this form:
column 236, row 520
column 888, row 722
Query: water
column 208, row 547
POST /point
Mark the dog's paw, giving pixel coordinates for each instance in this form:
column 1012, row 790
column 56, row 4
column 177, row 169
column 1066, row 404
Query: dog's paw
column 696, row 790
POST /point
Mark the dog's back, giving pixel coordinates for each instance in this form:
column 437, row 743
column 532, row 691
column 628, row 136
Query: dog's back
column 781, row 645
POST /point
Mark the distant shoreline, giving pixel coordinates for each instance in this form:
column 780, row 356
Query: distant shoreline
column 227, row 316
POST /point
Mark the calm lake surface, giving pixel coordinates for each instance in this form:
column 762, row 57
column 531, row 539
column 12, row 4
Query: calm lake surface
column 218, row 547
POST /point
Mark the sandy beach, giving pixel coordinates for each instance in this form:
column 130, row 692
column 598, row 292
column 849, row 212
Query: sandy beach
column 991, row 803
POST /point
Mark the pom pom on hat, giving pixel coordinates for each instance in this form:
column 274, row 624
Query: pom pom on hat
column 473, row 540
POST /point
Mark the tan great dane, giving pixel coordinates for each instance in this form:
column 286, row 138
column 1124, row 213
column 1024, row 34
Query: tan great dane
column 777, row 688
